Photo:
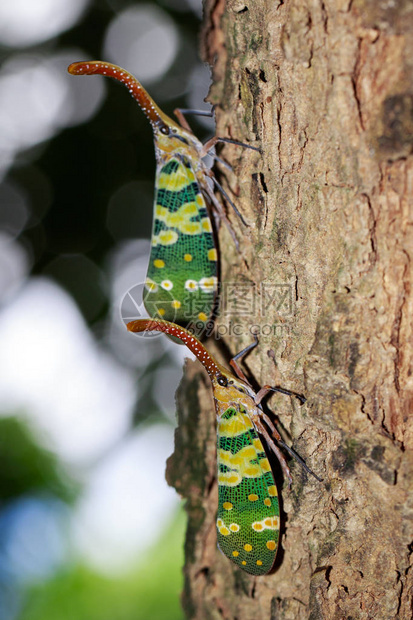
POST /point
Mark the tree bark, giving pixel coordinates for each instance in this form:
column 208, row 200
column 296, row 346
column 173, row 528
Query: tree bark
column 325, row 89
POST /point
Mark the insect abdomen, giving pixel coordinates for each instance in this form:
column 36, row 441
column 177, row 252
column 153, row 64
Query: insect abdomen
column 248, row 513
column 182, row 274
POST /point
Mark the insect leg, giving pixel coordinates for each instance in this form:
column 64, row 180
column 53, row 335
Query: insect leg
column 206, row 148
column 213, row 141
column 184, row 111
column 290, row 451
column 180, row 115
column 222, row 162
column 224, row 193
column 236, row 357
column 268, row 388
column 221, row 213
column 281, row 458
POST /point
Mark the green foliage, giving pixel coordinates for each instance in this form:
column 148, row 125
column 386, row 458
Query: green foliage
column 150, row 592
column 25, row 467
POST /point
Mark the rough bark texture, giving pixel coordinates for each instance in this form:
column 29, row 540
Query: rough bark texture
column 325, row 89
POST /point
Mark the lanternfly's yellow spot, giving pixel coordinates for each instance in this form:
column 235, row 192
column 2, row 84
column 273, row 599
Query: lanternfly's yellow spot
column 208, row 284
column 243, row 563
column 229, row 479
column 175, row 219
column 202, row 316
column 270, row 523
column 259, row 563
column 199, row 200
column 191, row 285
column 248, row 547
column 272, row 491
column 188, row 210
column 161, row 311
column 212, row 254
column 168, row 237
column 227, row 506
column 271, row 545
column 176, row 304
column 158, row 263
column 252, row 497
column 267, row 501
column 265, row 465
column 150, row 285
column 222, row 528
column 235, row 554
column 161, row 212
column 176, row 180
column 165, row 237
column 247, row 453
column 239, row 464
column 190, row 228
column 188, row 258
column 252, row 471
column 181, row 219
column 234, row 426
column 167, row 285
column 206, row 225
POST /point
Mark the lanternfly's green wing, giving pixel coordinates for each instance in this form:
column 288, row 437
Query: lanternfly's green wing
column 248, row 518
column 182, row 275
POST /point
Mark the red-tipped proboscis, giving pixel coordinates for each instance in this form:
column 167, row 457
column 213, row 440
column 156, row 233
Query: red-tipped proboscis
column 193, row 344
column 147, row 104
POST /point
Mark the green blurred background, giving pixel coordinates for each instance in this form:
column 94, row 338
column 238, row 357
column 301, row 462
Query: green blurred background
column 88, row 527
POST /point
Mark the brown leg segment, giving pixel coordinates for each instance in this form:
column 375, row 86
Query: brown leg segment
column 281, row 458
column 234, row 364
column 268, row 388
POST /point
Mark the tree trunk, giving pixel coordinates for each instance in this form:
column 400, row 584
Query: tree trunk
column 325, row 89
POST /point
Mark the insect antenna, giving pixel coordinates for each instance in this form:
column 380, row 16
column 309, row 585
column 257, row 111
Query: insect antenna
column 209, row 113
column 270, row 388
column 238, row 143
column 224, row 193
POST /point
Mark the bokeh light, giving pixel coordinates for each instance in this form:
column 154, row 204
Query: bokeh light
column 78, row 398
column 37, row 99
column 14, row 266
column 24, row 22
column 143, row 40
column 126, row 502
